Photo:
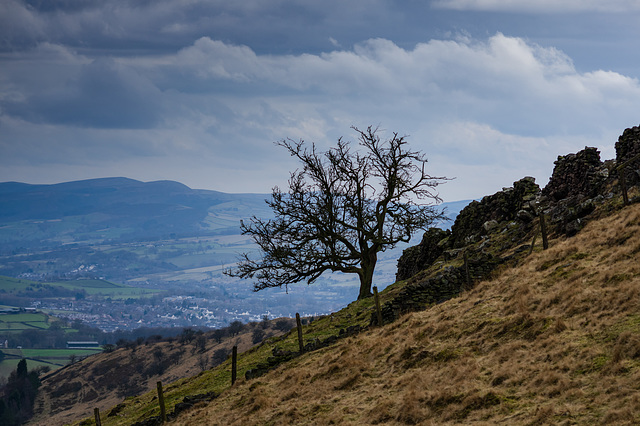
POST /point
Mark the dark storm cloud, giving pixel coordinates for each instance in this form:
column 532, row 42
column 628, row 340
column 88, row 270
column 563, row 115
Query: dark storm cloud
column 165, row 25
column 103, row 95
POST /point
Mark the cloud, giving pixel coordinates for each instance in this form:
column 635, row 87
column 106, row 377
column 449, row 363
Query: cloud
column 100, row 94
column 513, row 85
column 485, row 110
column 541, row 6
column 167, row 25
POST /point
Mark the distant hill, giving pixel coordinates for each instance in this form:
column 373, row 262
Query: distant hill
column 130, row 208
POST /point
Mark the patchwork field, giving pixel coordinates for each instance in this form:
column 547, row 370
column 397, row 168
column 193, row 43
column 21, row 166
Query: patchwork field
column 86, row 287
column 23, row 321
column 52, row 358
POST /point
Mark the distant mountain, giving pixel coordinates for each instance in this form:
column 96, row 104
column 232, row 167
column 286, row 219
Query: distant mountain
column 140, row 209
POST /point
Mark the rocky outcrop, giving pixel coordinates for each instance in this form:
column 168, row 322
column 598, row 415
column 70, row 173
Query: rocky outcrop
column 628, row 147
column 481, row 217
column 416, row 258
column 578, row 182
column 580, row 174
column 515, row 205
column 505, row 220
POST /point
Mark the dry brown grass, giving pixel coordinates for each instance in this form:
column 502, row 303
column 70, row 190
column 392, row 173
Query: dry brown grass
column 99, row 381
column 555, row 341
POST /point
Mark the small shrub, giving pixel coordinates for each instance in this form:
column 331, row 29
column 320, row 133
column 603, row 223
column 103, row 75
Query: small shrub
column 257, row 335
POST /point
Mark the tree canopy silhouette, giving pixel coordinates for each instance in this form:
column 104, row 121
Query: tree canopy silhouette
column 343, row 207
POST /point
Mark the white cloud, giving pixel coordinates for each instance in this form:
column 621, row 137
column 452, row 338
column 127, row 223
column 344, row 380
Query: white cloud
column 505, row 81
column 541, row 6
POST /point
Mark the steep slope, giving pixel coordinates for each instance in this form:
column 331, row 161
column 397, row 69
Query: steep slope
column 105, row 379
column 555, row 340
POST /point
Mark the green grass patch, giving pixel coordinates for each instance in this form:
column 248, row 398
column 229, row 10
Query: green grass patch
column 23, row 317
column 52, row 358
column 86, row 284
column 58, row 353
column 16, row 322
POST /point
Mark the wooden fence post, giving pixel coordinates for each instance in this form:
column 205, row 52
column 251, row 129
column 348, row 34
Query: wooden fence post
column 623, row 186
column 623, row 182
column 378, row 310
column 543, row 230
column 96, row 414
column 163, row 411
column 300, row 341
column 234, row 365
column 466, row 269
column 533, row 243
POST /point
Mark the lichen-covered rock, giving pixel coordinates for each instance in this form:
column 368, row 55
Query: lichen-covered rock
column 576, row 174
column 627, row 147
column 483, row 217
column 416, row 258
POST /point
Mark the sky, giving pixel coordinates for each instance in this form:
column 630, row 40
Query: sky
column 199, row 91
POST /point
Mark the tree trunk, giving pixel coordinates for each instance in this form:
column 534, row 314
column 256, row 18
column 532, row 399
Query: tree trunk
column 366, row 277
column 365, row 287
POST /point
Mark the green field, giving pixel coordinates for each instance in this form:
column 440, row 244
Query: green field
column 53, row 358
column 57, row 354
column 92, row 287
column 16, row 322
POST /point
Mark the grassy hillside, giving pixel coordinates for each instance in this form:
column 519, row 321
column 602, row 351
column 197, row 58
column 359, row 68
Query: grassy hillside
column 106, row 379
column 554, row 340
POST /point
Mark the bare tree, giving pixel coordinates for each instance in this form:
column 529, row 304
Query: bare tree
column 343, row 207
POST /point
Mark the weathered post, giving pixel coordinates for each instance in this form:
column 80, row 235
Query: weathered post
column 163, row 411
column 543, row 230
column 234, row 365
column 466, row 269
column 623, row 186
column 300, row 341
column 378, row 310
column 96, row 414
column 533, row 243
column 623, row 182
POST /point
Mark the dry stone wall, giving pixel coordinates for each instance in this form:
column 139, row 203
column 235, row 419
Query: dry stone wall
column 627, row 147
column 501, row 221
column 577, row 174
